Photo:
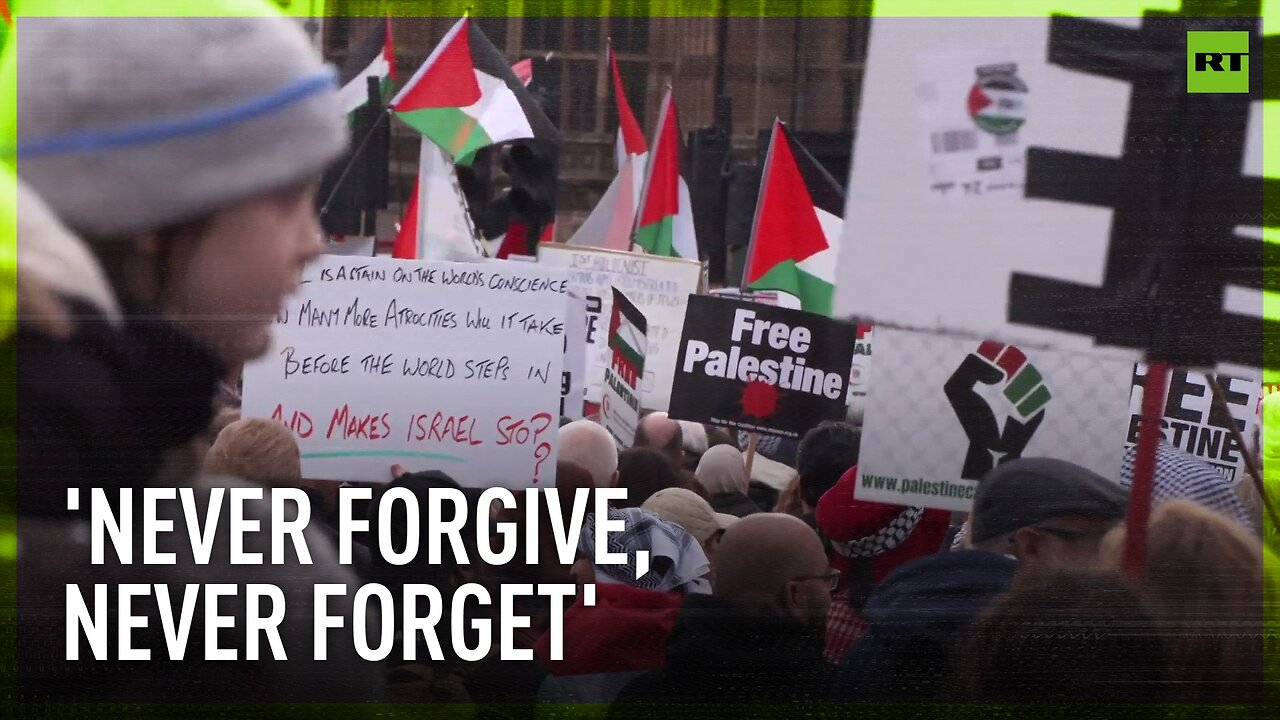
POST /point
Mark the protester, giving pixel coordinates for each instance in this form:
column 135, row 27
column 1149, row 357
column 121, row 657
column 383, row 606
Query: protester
column 789, row 501
column 825, row 453
column 263, row 452
column 723, row 475
column 865, row 542
column 448, row 679
column 643, row 472
column 1203, row 584
column 608, row 644
column 914, row 618
column 1045, row 512
column 588, row 445
column 190, row 193
column 1062, row 636
column 1179, row 474
column 659, row 432
column 759, row 638
column 695, row 443
column 694, row 514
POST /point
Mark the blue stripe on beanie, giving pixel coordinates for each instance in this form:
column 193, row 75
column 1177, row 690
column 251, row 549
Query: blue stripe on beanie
column 143, row 133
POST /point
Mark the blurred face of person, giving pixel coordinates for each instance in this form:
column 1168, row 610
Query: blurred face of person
column 230, row 278
column 1067, row 541
column 807, row 598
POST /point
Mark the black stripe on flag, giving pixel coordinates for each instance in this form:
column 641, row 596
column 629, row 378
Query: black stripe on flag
column 824, row 191
column 629, row 311
column 363, row 54
column 486, row 58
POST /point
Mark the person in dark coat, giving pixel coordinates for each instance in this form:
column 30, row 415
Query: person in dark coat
column 916, row 616
column 162, row 221
column 758, row 639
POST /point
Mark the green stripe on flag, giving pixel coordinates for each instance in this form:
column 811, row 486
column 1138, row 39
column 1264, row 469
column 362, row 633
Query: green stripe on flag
column 656, row 238
column 816, row 295
column 632, row 355
column 452, row 129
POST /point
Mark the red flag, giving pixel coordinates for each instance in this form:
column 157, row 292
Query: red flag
column 524, row 71
column 406, row 245
column 630, row 137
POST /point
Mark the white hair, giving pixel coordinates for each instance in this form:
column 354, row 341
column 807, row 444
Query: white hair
column 588, row 445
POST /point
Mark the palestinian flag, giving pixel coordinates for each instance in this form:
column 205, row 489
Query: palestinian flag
column 465, row 97
column 524, row 71
column 374, row 57
column 665, row 223
column 796, row 234
column 628, row 339
column 630, row 138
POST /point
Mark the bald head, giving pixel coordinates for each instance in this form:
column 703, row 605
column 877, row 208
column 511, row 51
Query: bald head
column 590, row 446
column 760, row 554
column 659, row 432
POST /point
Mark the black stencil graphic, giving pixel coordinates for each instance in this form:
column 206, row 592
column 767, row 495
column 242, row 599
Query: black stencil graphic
column 1177, row 192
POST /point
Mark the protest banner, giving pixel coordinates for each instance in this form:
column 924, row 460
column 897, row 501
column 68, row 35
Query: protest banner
column 944, row 411
column 1003, row 206
column 431, row 365
column 572, row 378
column 764, row 297
column 658, row 286
column 1194, row 423
column 759, row 368
column 621, row 402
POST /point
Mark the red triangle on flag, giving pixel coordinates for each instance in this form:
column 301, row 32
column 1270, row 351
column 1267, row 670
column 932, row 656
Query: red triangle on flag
column 448, row 80
column 977, row 100
column 406, row 245
column 389, row 52
column 661, row 194
column 786, row 226
column 632, row 136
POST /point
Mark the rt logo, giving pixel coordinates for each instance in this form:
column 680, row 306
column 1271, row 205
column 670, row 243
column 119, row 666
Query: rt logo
column 1217, row 62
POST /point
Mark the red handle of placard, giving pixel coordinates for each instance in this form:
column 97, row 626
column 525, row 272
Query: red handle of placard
column 1155, row 389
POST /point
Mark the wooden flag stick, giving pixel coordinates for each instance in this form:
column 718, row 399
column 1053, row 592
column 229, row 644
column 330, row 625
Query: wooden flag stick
column 752, row 439
column 1250, row 461
column 1135, row 538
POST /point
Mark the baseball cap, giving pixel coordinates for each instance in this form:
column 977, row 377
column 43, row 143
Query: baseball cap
column 686, row 509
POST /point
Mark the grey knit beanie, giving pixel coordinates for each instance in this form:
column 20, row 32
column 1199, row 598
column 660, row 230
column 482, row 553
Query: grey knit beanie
column 127, row 125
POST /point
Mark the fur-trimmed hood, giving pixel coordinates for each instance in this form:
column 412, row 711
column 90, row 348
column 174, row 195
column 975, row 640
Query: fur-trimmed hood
column 53, row 263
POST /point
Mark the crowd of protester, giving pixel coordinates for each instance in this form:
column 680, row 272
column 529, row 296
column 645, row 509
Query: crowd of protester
column 762, row 588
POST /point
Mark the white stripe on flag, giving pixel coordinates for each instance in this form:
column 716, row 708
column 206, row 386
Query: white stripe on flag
column 631, row 335
column 498, row 111
column 356, row 93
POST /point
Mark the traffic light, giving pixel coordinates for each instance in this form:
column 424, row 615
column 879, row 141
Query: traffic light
column 355, row 187
column 530, row 202
column 740, row 213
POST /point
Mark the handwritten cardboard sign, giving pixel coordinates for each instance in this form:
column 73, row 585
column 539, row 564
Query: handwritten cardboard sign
column 658, row 286
column 431, row 365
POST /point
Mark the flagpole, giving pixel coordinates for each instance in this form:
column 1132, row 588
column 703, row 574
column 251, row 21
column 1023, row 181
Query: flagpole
column 1250, row 462
column 648, row 171
column 324, row 209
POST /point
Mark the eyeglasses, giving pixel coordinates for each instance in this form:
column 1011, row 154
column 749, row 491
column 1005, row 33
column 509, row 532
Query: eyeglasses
column 832, row 578
column 1070, row 535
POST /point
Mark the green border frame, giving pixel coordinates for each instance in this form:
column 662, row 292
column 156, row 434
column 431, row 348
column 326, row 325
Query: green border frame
column 656, row 8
